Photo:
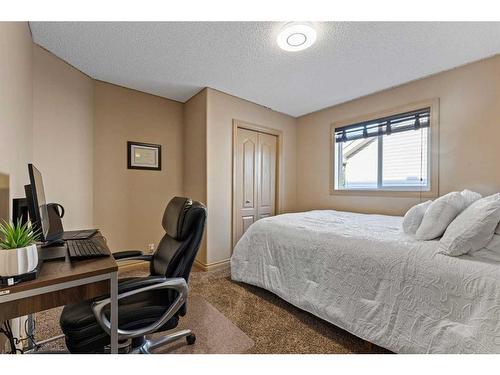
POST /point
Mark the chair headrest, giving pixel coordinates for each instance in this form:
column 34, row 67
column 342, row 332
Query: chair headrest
column 174, row 217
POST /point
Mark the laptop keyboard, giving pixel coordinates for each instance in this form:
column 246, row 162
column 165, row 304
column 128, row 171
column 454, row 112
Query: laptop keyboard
column 82, row 249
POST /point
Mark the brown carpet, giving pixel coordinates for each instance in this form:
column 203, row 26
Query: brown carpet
column 230, row 317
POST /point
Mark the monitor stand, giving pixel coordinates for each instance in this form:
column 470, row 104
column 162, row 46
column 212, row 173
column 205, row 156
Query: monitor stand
column 54, row 243
column 53, row 251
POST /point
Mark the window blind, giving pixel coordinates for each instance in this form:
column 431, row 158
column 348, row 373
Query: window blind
column 413, row 120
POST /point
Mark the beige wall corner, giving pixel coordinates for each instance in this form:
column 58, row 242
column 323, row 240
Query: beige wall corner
column 128, row 203
column 195, row 155
column 16, row 104
column 469, row 109
column 222, row 110
column 63, row 126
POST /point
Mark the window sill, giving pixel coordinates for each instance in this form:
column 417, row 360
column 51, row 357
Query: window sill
column 386, row 193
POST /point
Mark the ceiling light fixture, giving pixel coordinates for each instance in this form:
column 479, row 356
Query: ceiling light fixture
column 296, row 36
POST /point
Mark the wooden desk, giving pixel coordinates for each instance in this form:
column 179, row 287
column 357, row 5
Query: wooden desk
column 62, row 282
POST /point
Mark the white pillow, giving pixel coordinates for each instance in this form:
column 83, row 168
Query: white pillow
column 439, row 215
column 473, row 228
column 470, row 196
column 414, row 216
column 486, row 254
column 494, row 244
column 491, row 251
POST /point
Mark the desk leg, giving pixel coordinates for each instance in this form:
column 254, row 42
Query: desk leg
column 114, row 312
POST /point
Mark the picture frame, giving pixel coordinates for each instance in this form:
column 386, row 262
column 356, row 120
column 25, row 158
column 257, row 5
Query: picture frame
column 145, row 156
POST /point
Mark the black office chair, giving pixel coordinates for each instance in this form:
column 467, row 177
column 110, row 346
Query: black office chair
column 146, row 304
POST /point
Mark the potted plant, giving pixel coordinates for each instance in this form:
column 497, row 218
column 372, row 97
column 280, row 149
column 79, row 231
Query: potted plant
column 18, row 252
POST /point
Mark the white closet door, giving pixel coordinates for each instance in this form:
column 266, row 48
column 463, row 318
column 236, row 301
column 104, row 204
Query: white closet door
column 245, row 189
column 266, row 181
column 255, row 179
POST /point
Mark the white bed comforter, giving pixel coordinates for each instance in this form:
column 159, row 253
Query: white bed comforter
column 361, row 273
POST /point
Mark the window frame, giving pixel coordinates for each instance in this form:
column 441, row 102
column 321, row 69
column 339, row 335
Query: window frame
column 432, row 160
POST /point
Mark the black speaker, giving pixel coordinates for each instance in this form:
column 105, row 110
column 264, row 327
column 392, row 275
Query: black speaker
column 20, row 210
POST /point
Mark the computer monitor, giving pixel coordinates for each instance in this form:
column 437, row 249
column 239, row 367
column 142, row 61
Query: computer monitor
column 35, row 195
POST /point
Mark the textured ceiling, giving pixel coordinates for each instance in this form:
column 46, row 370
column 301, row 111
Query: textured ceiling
column 176, row 59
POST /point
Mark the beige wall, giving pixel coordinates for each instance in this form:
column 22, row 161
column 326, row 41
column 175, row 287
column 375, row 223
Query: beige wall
column 222, row 109
column 469, row 137
column 63, row 122
column 16, row 104
column 16, row 111
column 128, row 203
column 195, row 154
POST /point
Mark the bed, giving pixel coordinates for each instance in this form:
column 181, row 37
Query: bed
column 363, row 274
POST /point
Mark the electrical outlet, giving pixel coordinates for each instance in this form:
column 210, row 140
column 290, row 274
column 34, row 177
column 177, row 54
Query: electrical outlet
column 151, row 247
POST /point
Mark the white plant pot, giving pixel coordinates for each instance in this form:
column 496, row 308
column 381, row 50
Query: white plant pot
column 18, row 261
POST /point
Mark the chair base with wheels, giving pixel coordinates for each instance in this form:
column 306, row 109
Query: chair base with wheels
column 148, row 345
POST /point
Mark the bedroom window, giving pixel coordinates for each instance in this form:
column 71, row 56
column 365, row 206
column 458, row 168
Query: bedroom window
column 390, row 153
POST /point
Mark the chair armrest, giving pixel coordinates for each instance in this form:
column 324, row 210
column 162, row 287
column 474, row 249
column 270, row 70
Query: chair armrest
column 147, row 284
column 138, row 282
column 131, row 255
column 126, row 254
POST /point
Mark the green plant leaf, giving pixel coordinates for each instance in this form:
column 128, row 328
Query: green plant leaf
column 14, row 236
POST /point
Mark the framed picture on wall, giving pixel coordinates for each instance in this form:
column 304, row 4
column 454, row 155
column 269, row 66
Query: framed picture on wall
column 143, row 156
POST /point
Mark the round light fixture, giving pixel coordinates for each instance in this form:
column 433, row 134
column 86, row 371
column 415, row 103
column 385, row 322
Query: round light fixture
column 296, row 36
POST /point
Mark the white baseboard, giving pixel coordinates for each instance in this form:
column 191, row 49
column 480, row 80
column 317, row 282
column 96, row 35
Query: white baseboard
column 212, row 266
column 126, row 266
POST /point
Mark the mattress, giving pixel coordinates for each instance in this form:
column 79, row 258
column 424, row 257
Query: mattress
column 363, row 274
